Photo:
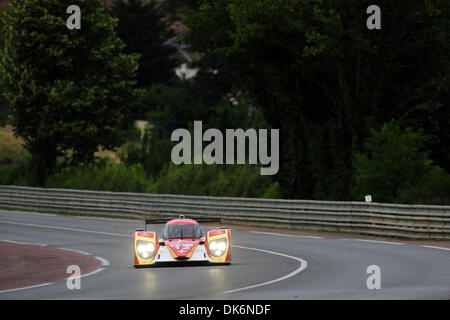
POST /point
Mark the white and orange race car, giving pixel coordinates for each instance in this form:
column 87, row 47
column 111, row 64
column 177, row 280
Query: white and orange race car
column 181, row 240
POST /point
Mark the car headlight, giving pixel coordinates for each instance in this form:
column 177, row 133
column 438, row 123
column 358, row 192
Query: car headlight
column 218, row 247
column 145, row 249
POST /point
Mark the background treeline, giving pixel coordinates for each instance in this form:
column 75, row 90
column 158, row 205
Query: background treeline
column 359, row 111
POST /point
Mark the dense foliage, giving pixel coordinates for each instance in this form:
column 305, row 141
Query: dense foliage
column 326, row 80
column 236, row 181
column 142, row 27
column 398, row 169
column 4, row 108
column 67, row 89
column 359, row 111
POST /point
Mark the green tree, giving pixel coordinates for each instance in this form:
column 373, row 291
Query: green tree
column 215, row 180
column 210, row 24
column 166, row 109
column 172, row 108
column 4, row 110
column 143, row 28
column 397, row 166
column 68, row 89
column 324, row 79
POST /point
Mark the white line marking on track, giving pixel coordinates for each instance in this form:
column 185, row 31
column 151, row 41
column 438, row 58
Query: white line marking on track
column 103, row 261
column 20, row 242
column 92, row 272
column 23, row 212
column 111, row 219
column 303, row 266
column 76, row 250
column 65, row 228
column 29, row 287
column 374, row 241
column 77, row 216
column 285, row 235
column 434, row 247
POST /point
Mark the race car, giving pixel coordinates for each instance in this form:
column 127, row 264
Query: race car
column 181, row 240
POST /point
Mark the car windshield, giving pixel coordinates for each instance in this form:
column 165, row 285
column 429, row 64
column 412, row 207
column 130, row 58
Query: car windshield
column 182, row 231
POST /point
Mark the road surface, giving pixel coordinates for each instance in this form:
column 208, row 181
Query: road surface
column 265, row 264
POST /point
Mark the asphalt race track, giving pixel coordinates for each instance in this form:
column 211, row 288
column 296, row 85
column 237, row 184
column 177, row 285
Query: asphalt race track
column 264, row 265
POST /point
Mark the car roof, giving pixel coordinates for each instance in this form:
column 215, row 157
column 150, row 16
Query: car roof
column 182, row 221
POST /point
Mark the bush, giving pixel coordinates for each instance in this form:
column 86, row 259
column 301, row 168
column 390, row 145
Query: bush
column 433, row 189
column 397, row 169
column 216, row 180
column 120, row 178
column 201, row 180
column 16, row 174
column 273, row 191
